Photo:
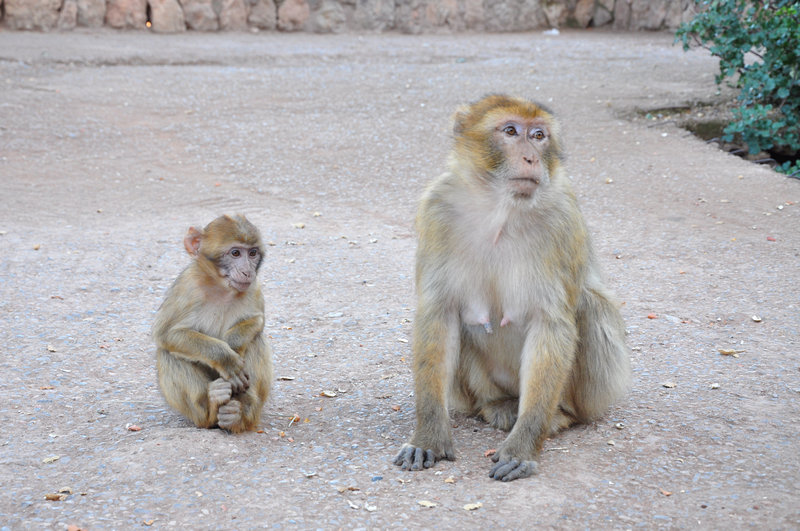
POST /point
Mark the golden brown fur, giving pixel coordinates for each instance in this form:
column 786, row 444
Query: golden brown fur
column 214, row 365
column 513, row 322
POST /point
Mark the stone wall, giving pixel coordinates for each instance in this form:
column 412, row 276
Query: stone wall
column 336, row 16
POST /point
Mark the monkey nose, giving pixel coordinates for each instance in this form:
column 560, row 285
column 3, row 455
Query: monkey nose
column 528, row 160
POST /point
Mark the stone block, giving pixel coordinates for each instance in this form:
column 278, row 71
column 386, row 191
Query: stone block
column 263, row 15
column 124, row 14
column 166, row 16
column 293, row 15
column 39, row 15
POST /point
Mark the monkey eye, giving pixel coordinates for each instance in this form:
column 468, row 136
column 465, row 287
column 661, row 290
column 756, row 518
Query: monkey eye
column 253, row 253
column 236, row 253
column 537, row 134
column 510, row 130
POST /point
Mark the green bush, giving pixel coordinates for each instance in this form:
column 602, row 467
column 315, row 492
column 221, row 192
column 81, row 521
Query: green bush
column 768, row 34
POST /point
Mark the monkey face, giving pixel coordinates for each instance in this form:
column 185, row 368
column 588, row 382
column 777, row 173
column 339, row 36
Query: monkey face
column 239, row 266
column 521, row 145
column 510, row 142
column 228, row 252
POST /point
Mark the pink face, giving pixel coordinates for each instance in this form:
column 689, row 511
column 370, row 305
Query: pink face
column 240, row 265
column 523, row 143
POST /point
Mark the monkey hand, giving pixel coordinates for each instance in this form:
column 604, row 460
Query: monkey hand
column 234, row 372
column 240, row 381
column 508, row 468
column 229, row 415
column 415, row 458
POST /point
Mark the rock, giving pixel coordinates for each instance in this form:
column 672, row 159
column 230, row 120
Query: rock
column 603, row 13
column 166, row 16
column 648, row 14
column 679, row 11
column 409, row 16
column 444, row 14
column 31, row 14
column 583, row 13
column 293, row 15
column 515, row 15
column 68, row 17
column 91, row 13
column 233, row 15
column 375, row 15
column 622, row 14
column 199, row 15
column 419, row 16
column 556, row 13
column 329, row 18
column 122, row 14
column 474, row 15
column 608, row 5
column 263, row 15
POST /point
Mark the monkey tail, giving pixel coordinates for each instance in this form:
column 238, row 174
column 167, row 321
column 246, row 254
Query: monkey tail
column 602, row 369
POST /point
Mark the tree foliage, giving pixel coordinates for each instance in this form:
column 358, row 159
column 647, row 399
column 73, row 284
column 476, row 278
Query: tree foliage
column 758, row 45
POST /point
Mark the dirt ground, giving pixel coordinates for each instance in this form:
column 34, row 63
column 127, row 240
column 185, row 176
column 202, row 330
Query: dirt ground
column 112, row 144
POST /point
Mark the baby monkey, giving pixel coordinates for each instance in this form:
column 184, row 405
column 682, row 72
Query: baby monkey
column 214, row 364
column 513, row 323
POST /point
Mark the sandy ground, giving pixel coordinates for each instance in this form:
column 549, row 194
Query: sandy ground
column 112, row 144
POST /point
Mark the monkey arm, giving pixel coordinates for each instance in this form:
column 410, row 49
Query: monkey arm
column 242, row 333
column 547, row 358
column 198, row 347
column 436, row 348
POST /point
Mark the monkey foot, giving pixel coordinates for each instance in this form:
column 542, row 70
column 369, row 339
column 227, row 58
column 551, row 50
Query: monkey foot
column 413, row 458
column 512, row 469
column 501, row 414
column 219, row 391
column 229, row 416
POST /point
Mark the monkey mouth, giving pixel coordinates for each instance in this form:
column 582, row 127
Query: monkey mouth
column 523, row 186
column 239, row 286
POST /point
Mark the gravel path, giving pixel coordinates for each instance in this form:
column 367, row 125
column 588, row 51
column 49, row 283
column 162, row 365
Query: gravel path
column 113, row 143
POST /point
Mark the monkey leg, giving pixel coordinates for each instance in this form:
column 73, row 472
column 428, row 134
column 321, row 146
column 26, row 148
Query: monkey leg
column 547, row 357
column 219, row 392
column 436, row 346
column 601, row 372
column 477, row 392
column 187, row 387
column 501, row 414
column 243, row 412
column 563, row 418
column 229, row 416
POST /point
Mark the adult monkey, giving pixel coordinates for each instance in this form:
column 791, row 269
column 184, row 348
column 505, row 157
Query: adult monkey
column 214, row 365
column 513, row 322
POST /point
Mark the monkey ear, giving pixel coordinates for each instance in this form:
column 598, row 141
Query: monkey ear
column 460, row 119
column 192, row 241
